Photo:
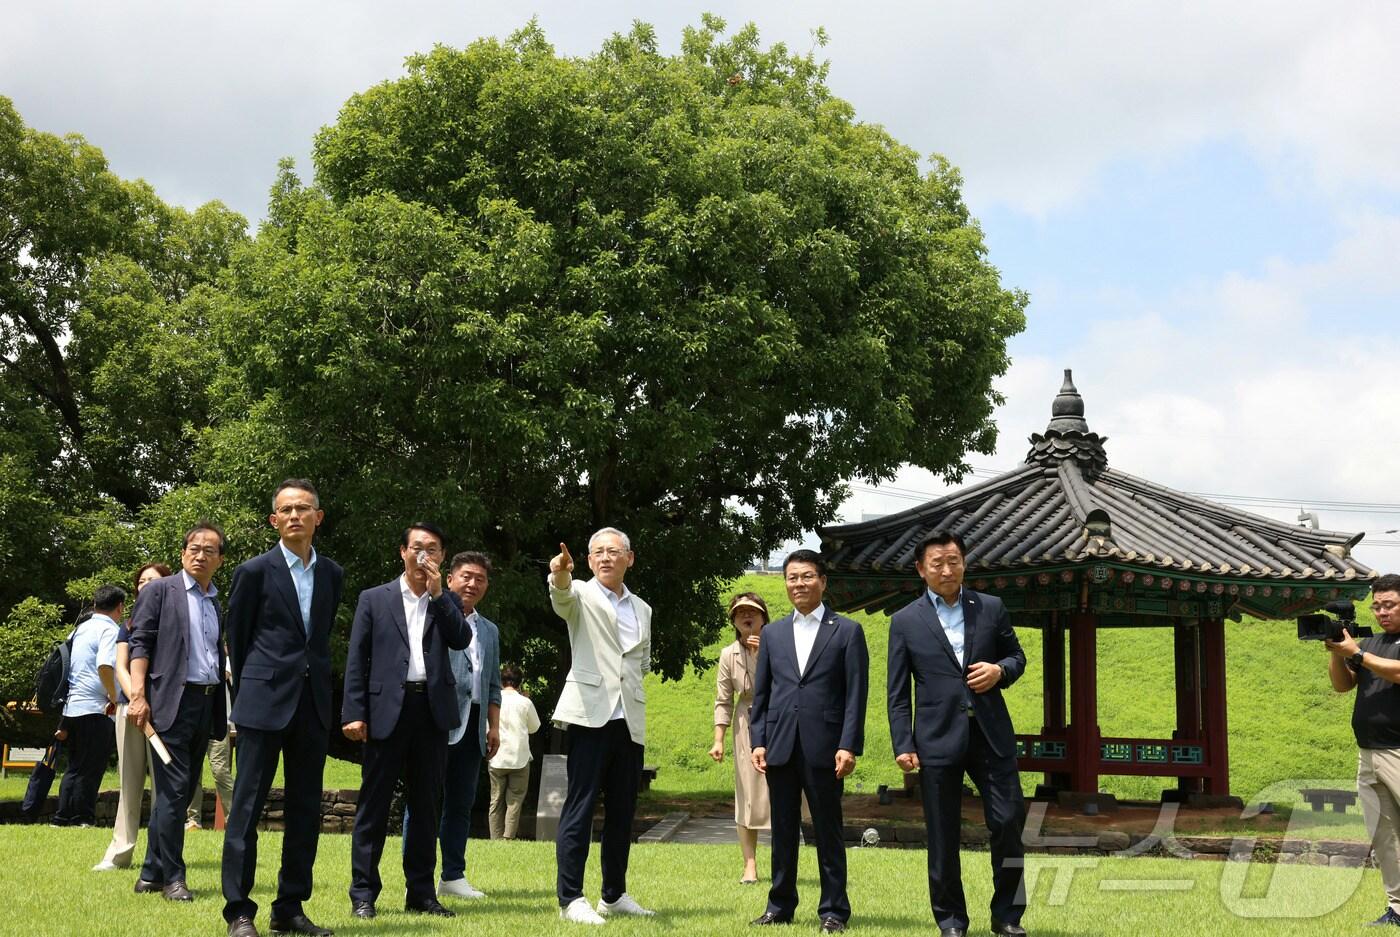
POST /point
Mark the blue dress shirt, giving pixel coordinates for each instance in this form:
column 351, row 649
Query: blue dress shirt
column 304, row 578
column 202, row 643
column 951, row 617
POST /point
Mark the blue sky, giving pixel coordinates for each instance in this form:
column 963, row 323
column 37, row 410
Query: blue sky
column 1202, row 199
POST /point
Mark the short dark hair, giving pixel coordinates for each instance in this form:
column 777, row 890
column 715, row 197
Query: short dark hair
column 1390, row 582
column 511, row 675
column 471, row 558
column 806, row 556
column 158, row 567
column 941, row 538
column 300, row 483
column 427, row 527
column 212, row 528
column 108, row 598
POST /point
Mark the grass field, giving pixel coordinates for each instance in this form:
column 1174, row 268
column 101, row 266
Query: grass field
column 50, row 892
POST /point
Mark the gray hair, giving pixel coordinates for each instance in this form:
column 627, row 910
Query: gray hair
column 613, row 531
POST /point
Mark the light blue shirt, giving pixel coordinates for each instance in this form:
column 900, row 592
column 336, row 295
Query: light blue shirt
column 629, row 632
column 202, row 642
column 304, row 578
column 951, row 617
column 94, row 645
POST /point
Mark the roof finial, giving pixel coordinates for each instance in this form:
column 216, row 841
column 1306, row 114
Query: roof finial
column 1068, row 436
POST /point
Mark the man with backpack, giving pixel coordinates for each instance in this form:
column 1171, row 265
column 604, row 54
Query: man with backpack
column 92, row 694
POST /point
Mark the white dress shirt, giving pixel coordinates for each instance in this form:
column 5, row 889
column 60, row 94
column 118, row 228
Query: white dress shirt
column 629, row 633
column 415, row 612
column 474, row 655
column 804, row 633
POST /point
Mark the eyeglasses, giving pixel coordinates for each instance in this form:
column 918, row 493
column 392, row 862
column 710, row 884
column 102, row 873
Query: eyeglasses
column 1384, row 606
column 611, row 553
column 195, row 549
column 804, row 578
column 287, row 510
column 432, row 549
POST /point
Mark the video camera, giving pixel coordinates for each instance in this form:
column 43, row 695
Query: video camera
column 1327, row 624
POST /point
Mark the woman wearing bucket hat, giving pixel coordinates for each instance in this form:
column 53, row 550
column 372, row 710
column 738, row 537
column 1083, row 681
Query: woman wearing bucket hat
column 733, row 697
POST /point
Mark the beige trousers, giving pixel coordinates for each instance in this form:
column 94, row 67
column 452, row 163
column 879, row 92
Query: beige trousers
column 221, row 766
column 508, row 788
column 1378, row 788
column 133, row 764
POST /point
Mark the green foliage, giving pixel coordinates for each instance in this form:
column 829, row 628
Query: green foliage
column 531, row 295
column 30, row 631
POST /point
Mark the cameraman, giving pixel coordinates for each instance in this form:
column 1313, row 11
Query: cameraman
column 1373, row 668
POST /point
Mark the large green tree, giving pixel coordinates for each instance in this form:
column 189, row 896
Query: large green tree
column 529, row 295
column 105, row 359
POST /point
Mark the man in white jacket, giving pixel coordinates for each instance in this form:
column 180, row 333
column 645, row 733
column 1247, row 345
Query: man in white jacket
column 604, row 708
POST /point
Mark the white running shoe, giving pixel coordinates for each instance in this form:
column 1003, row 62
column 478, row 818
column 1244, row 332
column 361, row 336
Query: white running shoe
column 105, row 866
column 579, row 911
column 459, row 888
column 625, row 904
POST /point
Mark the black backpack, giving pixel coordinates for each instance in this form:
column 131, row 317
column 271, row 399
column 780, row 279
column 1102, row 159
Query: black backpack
column 51, row 681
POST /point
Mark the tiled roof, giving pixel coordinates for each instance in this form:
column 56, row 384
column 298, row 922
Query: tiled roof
column 1064, row 505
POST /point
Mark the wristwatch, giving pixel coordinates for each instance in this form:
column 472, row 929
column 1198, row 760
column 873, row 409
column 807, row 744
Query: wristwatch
column 1355, row 660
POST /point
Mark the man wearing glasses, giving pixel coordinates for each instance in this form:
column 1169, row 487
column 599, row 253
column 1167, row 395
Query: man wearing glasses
column 281, row 610
column 604, row 707
column 177, row 686
column 400, row 700
column 1372, row 668
column 807, row 726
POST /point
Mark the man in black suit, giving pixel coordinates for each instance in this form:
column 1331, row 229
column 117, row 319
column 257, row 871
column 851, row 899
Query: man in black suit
column 281, row 610
column 961, row 651
column 401, row 701
column 177, row 685
column 807, row 726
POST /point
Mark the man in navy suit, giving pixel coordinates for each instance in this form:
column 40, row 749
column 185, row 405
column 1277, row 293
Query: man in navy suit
column 960, row 650
column 281, row 610
column 177, row 685
column 807, row 726
column 401, row 701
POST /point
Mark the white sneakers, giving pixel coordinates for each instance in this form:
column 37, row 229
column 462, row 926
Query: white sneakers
column 625, row 904
column 459, row 888
column 105, row 866
column 579, row 911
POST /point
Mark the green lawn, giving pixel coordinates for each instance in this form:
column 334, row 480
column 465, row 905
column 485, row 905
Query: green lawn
column 692, row 887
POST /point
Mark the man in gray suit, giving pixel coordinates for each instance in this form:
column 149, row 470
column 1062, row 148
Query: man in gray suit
column 478, row 672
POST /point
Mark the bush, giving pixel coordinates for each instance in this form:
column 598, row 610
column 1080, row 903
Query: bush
column 29, row 633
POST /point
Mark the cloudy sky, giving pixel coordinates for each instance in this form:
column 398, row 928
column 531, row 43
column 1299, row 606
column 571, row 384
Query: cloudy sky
column 1202, row 199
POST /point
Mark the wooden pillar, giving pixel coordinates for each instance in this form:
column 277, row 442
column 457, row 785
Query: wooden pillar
column 1053, row 675
column 1083, row 703
column 1213, row 706
column 1189, row 720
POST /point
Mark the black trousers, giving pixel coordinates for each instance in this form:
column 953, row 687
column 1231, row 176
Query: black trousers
column 90, row 741
column 417, row 751
column 786, row 784
column 1004, row 810
column 601, row 761
column 187, row 738
column 302, row 746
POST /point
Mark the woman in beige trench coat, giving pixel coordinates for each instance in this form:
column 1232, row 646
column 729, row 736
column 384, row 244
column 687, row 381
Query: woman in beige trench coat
column 733, row 697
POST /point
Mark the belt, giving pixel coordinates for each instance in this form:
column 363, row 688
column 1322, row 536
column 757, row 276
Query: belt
column 206, row 688
column 416, row 686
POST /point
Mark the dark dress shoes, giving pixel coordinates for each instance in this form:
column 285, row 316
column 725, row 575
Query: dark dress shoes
column 952, row 932
column 1008, row 930
column 768, row 917
column 242, row 927
column 362, row 909
column 144, row 887
column 428, row 906
column 832, row 925
column 176, row 891
column 299, row 924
